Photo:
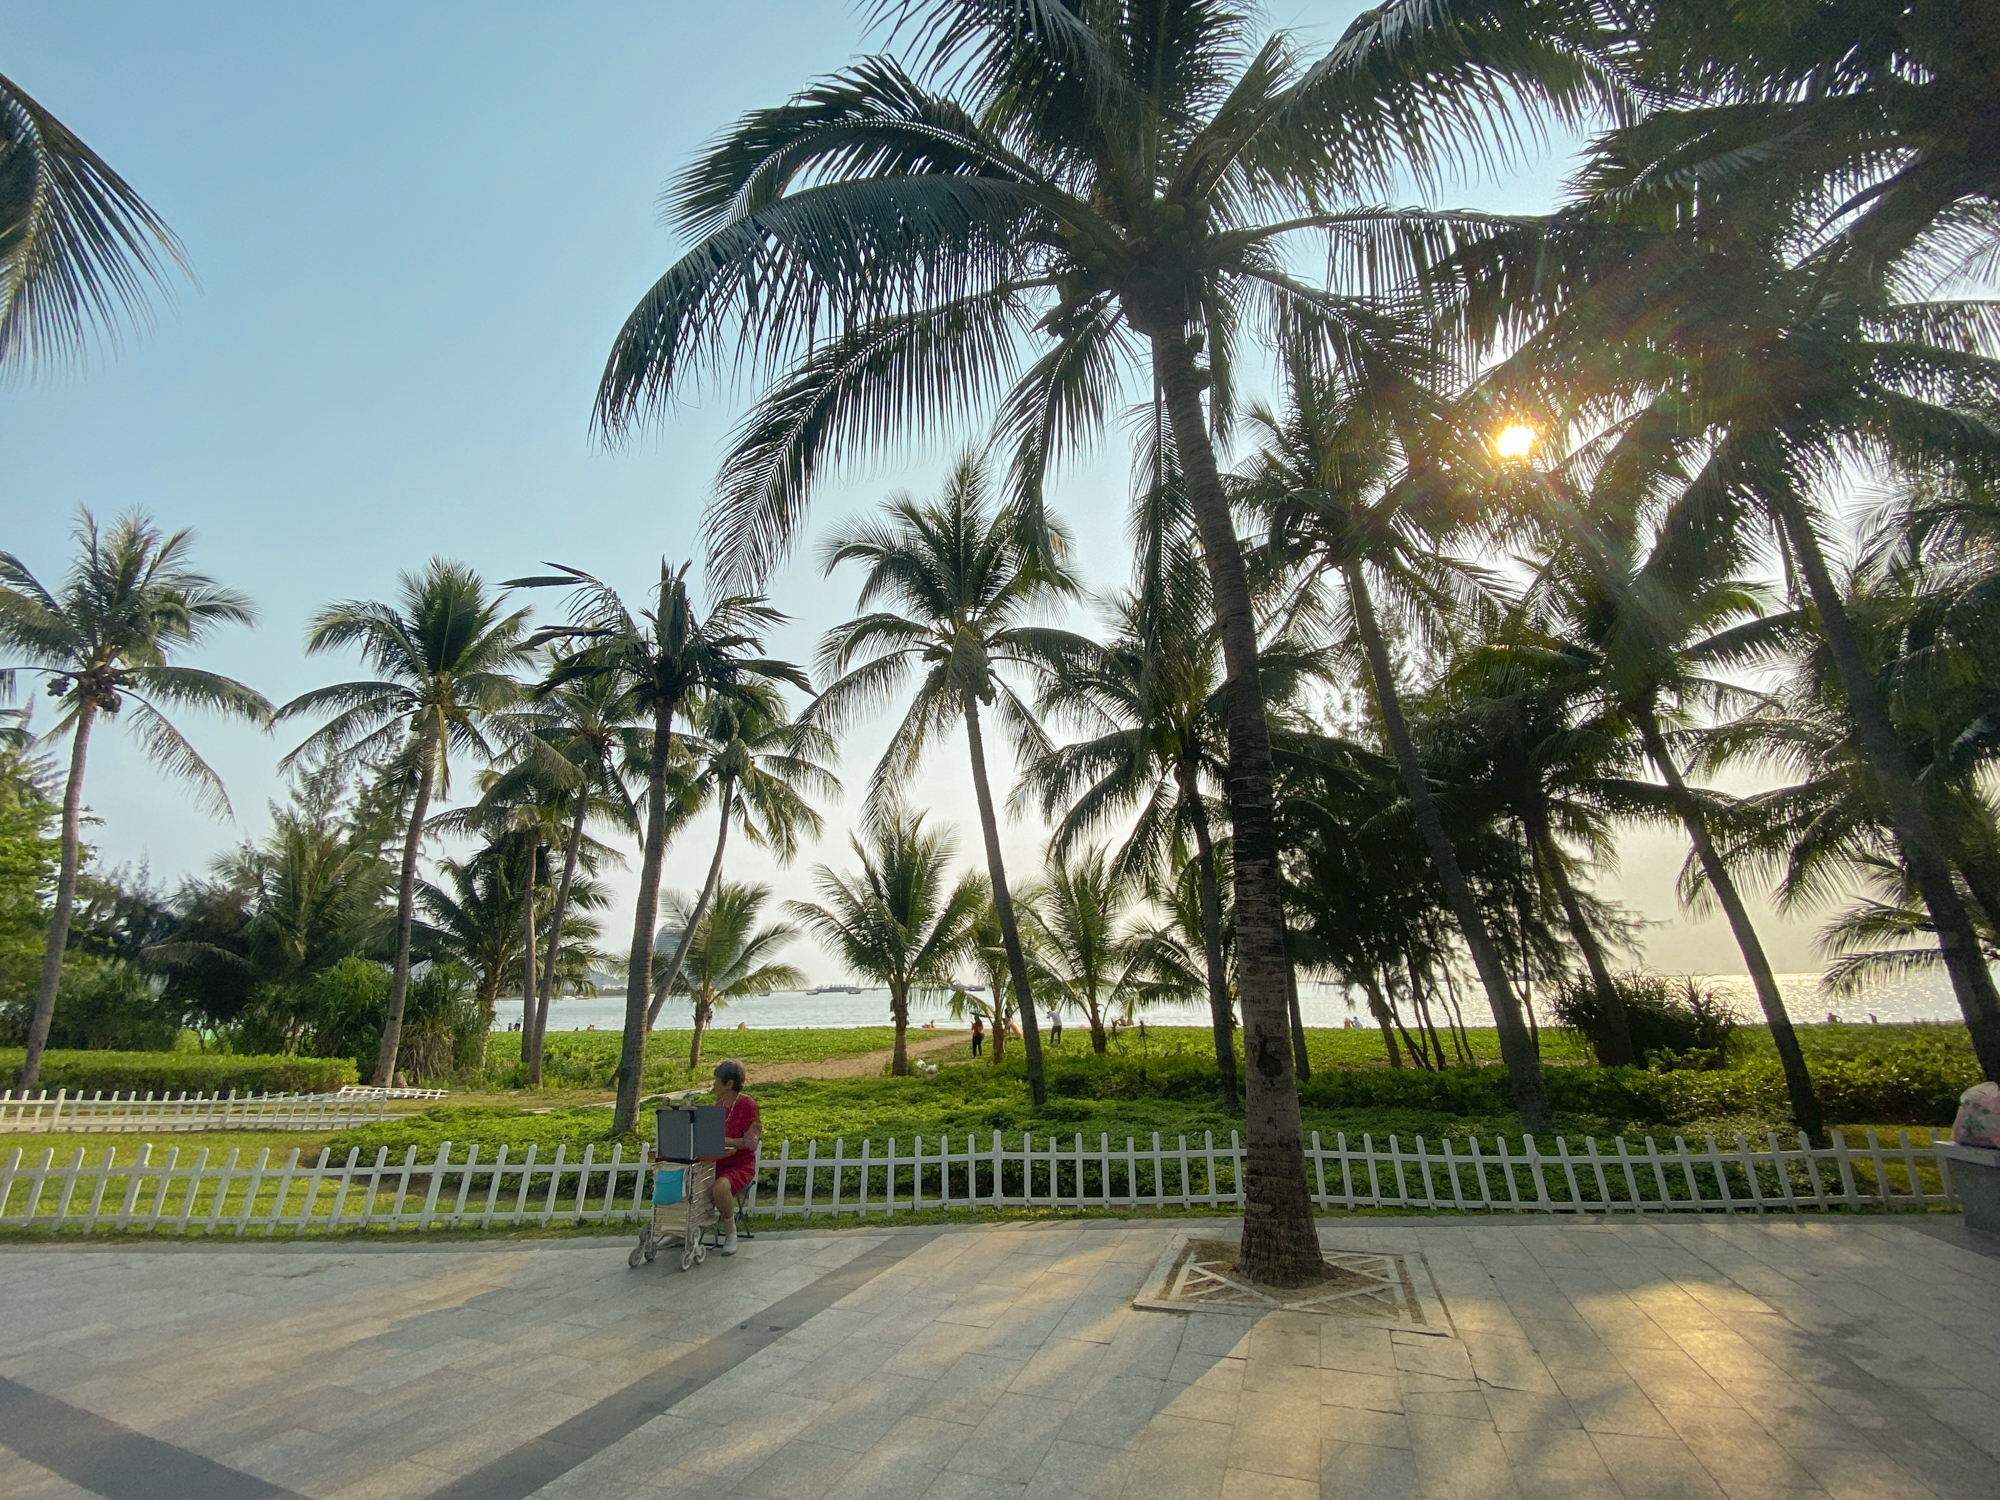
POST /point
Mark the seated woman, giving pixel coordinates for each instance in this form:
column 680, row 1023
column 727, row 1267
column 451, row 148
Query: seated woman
column 742, row 1127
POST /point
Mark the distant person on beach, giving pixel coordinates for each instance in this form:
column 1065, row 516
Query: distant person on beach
column 1055, row 1027
column 978, row 1037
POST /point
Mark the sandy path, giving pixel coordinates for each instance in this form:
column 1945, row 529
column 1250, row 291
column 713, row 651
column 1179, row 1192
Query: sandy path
column 860, row 1065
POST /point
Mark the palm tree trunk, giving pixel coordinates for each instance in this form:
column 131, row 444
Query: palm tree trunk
column 1379, row 1008
column 1280, row 1243
column 645, row 916
column 702, row 1011
column 899, row 1014
column 1219, row 1017
column 572, row 847
column 531, row 1040
column 673, row 969
column 1517, row 1050
column 58, row 939
column 1971, row 979
column 1003, row 907
column 1301, row 1063
column 1791, row 1057
column 1614, row 1048
column 406, row 913
column 1985, row 895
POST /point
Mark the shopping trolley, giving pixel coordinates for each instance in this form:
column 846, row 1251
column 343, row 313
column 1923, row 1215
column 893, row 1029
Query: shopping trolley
column 683, row 1207
column 687, row 1144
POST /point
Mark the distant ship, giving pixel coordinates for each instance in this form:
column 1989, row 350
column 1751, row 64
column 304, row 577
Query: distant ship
column 836, row 989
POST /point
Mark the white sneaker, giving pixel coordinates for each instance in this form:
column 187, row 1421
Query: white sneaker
column 729, row 1241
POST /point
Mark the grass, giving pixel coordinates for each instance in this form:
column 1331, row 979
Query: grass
column 587, row 1059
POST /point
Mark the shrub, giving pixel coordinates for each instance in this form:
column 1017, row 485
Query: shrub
column 1675, row 1023
column 102, row 1004
column 185, row 1072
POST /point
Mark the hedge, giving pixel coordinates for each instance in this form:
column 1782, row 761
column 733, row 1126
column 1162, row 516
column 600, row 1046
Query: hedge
column 182, row 1072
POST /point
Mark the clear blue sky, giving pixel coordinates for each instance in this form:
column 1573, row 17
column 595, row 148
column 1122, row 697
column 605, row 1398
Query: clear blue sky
column 415, row 228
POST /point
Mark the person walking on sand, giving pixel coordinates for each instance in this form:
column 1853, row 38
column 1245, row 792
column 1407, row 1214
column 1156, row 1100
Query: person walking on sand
column 742, row 1128
column 978, row 1036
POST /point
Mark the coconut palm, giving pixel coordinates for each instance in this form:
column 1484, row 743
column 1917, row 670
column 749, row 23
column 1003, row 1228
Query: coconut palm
column 1087, row 955
column 987, row 951
column 899, row 921
column 444, row 653
column 662, row 660
column 1651, row 626
column 472, row 915
column 77, row 245
column 104, row 640
column 759, row 763
column 576, row 740
column 729, row 956
column 960, row 580
column 1129, row 181
column 1363, row 480
column 1151, row 708
column 1687, row 309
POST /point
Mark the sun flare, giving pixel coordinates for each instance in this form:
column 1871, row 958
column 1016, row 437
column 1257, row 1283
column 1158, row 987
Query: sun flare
column 1515, row 441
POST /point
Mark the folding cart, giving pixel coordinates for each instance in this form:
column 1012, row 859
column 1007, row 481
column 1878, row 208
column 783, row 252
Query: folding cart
column 683, row 1207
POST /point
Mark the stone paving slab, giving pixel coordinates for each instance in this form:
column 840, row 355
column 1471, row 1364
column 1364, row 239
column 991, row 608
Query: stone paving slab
column 1726, row 1359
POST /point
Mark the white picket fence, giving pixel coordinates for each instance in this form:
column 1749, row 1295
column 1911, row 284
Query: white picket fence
column 472, row 1188
column 126, row 1113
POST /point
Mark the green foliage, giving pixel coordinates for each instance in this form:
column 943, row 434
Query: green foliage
column 107, row 1006
column 1674, row 1022
column 29, row 851
column 185, row 1072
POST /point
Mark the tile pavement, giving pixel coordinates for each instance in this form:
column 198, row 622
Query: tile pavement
column 1679, row 1360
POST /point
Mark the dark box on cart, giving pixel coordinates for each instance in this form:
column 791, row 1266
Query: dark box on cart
column 690, row 1133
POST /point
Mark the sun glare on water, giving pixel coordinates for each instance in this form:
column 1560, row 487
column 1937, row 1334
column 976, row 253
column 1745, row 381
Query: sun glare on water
column 1515, row 441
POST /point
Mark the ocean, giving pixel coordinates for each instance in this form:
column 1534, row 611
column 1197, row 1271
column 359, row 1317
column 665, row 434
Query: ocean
column 1917, row 998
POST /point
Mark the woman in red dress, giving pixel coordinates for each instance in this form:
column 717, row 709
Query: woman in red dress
column 741, row 1129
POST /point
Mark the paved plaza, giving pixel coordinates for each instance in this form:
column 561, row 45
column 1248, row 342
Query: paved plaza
column 1736, row 1358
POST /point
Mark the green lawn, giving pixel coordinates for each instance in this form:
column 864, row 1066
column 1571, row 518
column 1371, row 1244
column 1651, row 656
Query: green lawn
column 587, row 1059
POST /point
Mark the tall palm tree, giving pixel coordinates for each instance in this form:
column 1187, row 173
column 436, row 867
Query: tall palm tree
column 960, row 581
column 987, row 951
column 473, row 915
column 77, row 245
column 729, row 956
column 444, row 654
column 1653, row 627
column 1151, row 708
column 898, row 921
column 1129, row 181
column 1520, row 725
column 663, row 659
column 1088, row 956
column 104, row 639
column 1363, row 480
column 760, row 763
column 1687, row 304
column 578, row 739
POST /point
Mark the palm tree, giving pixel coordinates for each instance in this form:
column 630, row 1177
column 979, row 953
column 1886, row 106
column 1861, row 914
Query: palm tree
column 1363, row 481
column 1650, row 628
column 1151, row 708
column 987, row 950
column 1129, row 180
column 1687, row 305
column 1518, row 722
column 579, row 740
column 104, row 640
column 662, row 660
column 443, row 654
column 730, row 957
column 897, row 921
column 473, row 916
column 759, row 762
column 1086, row 956
column 77, row 244
column 959, row 580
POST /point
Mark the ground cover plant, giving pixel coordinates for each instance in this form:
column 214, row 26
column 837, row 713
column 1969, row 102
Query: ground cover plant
column 587, row 1059
column 85, row 1072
